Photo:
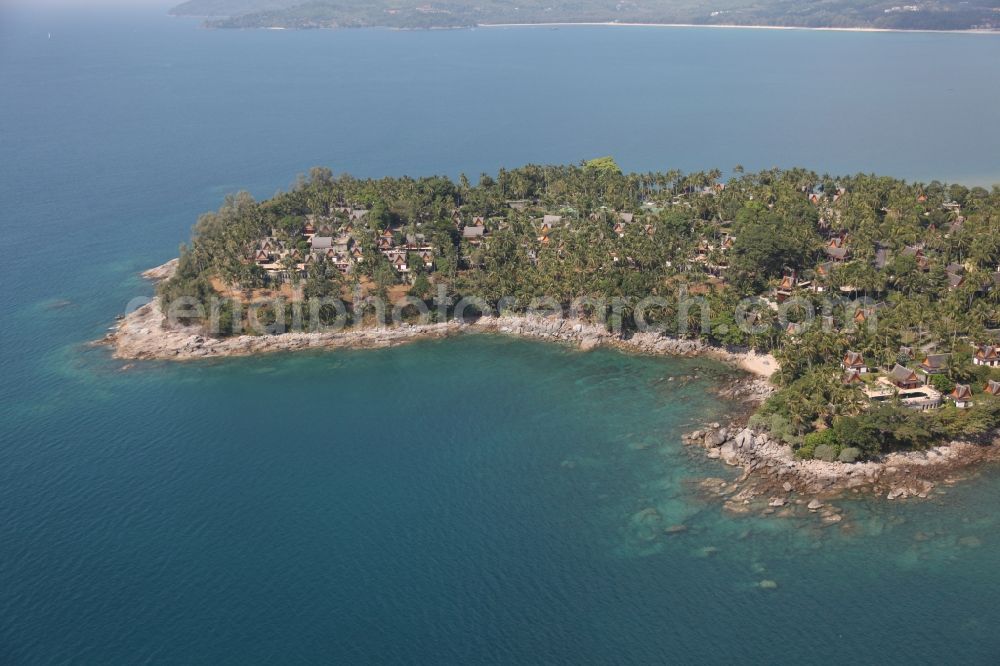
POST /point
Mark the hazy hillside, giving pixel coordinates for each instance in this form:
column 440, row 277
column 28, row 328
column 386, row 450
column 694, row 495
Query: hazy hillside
column 934, row 15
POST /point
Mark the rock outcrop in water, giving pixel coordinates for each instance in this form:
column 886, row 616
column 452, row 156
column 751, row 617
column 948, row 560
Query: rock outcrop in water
column 774, row 479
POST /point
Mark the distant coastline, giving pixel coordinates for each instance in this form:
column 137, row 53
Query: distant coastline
column 613, row 24
column 617, row 24
column 932, row 15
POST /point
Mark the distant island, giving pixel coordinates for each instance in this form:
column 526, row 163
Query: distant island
column 871, row 304
column 844, row 14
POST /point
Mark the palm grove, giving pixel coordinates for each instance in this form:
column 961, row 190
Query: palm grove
column 920, row 259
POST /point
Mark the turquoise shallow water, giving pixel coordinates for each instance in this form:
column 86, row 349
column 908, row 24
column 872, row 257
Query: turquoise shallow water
column 473, row 500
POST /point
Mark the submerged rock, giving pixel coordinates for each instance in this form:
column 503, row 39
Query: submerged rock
column 970, row 542
column 644, row 524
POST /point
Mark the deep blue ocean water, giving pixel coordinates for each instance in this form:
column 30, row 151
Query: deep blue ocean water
column 472, row 500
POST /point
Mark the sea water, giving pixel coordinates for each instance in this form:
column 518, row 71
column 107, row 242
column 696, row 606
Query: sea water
column 471, row 500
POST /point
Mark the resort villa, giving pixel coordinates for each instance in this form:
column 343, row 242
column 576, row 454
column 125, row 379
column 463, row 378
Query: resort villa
column 854, row 361
column 988, row 355
column 962, row 395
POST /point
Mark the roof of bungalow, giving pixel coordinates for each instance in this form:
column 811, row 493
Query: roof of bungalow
column 322, row 242
column 903, row 375
column 955, row 280
column 992, row 387
column 473, row 232
column 551, row 219
column 935, row 361
column 957, row 269
column 987, row 352
column 961, row 392
column 882, row 256
column 626, row 217
column 854, row 359
column 836, row 252
column 870, row 308
column 825, row 268
column 852, row 377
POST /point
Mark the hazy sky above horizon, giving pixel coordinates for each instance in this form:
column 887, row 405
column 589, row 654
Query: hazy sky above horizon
column 84, row 4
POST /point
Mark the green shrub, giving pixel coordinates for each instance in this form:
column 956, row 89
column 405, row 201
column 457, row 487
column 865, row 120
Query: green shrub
column 781, row 429
column 858, row 432
column 942, row 383
column 825, row 452
column 849, row 454
column 759, row 422
column 777, row 425
column 806, row 451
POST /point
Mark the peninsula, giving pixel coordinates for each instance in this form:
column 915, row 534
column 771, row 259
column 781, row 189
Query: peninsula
column 840, row 14
column 871, row 304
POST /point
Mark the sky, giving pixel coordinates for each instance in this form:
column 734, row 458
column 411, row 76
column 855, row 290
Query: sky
column 83, row 4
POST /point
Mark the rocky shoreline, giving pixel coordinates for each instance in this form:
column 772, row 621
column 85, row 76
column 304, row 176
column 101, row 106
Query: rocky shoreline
column 144, row 335
column 774, row 482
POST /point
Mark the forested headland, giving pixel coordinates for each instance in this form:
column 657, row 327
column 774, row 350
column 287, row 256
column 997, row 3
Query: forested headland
column 879, row 298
